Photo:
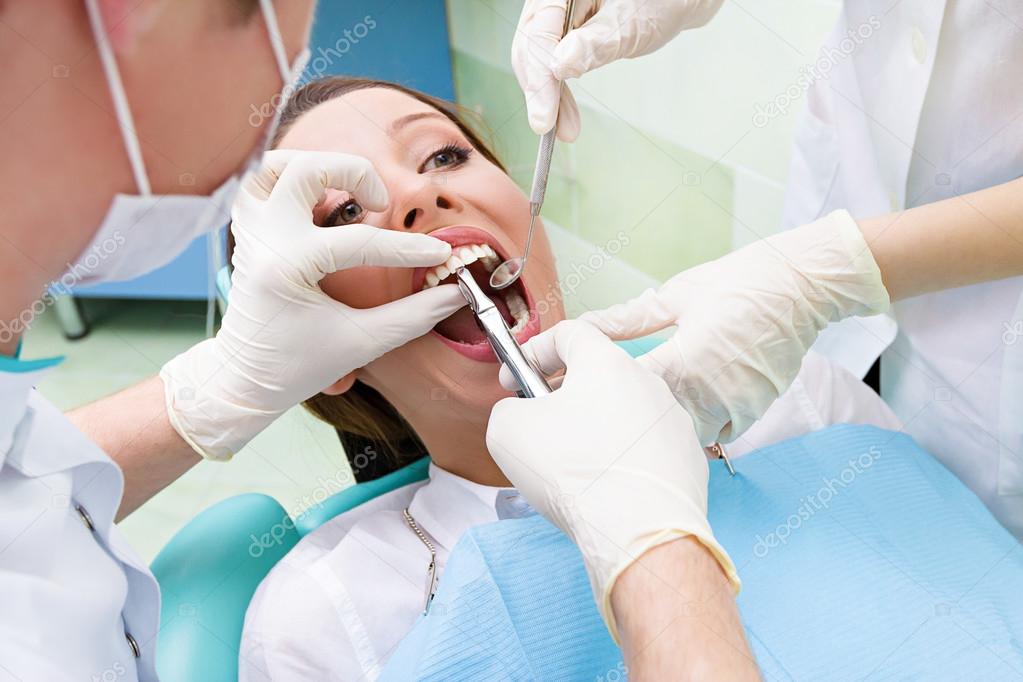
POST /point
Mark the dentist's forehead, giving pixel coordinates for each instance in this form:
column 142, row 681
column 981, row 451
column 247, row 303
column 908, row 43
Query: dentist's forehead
column 360, row 122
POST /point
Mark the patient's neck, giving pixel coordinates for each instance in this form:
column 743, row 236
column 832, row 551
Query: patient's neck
column 456, row 438
column 465, row 455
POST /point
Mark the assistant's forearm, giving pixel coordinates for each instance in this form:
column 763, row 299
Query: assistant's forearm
column 677, row 618
column 132, row 427
column 972, row 238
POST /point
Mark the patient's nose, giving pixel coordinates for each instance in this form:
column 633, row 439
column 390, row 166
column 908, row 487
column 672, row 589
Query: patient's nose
column 428, row 207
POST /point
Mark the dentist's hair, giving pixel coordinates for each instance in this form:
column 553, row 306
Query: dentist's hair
column 375, row 437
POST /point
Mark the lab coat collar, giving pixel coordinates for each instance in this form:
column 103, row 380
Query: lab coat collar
column 75, row 448
column 449, row 505
column 17, row 380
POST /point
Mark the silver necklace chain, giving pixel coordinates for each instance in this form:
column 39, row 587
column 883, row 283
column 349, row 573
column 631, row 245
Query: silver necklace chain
column 432, row 568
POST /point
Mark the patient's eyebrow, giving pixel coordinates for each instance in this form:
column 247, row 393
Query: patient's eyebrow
column 400, row 123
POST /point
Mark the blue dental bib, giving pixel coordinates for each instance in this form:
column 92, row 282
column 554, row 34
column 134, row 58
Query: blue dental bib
column 861, row 558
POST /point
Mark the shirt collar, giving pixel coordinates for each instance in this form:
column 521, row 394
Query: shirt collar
column 448, row 505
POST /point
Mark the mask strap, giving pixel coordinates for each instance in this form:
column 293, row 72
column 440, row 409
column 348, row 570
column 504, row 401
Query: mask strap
column 289, row 73
column 124, row 118
column 276, row 41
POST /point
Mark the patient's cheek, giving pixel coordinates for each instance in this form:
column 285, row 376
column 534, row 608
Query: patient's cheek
column 363, row 287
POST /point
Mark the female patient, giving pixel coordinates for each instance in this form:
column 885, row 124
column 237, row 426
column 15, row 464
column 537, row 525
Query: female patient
column 339, row 603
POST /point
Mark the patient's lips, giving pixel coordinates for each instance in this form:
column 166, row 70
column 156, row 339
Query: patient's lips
column 480, row 252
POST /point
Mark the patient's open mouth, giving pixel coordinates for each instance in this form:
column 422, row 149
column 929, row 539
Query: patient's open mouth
column 480, row 253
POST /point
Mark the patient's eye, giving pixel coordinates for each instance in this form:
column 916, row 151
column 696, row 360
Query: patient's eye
column 448, row 156
column 344, row 213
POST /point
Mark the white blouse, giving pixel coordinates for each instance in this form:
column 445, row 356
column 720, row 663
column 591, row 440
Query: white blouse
column 340, row 602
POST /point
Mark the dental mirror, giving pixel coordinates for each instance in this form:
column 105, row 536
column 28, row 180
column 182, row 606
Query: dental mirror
column 509, row 271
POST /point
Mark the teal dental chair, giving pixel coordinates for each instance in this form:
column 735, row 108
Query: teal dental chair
column 210, row 569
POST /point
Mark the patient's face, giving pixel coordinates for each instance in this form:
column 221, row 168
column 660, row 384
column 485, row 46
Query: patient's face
column 439, row 185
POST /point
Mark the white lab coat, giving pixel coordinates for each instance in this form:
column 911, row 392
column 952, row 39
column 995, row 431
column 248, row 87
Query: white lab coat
column 72, row 592
column 927, row 106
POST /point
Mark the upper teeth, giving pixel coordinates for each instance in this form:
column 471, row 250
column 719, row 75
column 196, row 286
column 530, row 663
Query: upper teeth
column 470, row 253
column 461, row 256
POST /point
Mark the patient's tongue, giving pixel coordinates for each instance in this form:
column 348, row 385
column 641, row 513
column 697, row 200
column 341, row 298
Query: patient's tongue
column 462, row 326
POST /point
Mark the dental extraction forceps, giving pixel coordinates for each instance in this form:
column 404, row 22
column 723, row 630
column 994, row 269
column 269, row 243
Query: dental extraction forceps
column 531, row 381
column 510, row 270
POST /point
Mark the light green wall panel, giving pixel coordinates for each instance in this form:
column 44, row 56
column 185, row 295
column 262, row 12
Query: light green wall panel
column 663, row 206
column 697, row 97
column 484, row 28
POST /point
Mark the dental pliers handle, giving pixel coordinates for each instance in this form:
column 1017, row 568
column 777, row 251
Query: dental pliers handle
column 531, row 382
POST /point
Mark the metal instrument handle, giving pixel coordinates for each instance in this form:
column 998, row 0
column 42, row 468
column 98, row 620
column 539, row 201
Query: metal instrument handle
column 546, row 149
column 543, row 170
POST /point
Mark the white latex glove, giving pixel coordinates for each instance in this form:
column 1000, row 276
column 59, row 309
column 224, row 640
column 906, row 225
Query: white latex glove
column 746, row 320
column 604, row 31
column 282, row 339
column 609, row 457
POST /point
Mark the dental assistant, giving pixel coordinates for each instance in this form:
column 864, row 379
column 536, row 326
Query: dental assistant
column 906, row 182
column 125, row 130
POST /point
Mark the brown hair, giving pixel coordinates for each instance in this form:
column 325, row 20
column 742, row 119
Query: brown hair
column 375, row 437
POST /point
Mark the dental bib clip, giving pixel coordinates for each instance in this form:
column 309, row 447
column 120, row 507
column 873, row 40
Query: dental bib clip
column 531, row 382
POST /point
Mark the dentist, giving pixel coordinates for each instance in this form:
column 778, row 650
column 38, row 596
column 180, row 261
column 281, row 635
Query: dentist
column 907, row 182
column 124, row 130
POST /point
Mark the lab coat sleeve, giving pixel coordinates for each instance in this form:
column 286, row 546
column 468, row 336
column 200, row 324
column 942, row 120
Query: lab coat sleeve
column 293, row 633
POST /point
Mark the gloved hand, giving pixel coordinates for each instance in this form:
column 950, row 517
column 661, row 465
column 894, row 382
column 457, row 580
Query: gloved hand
column 282, row 339
column 604, row 31
column 746, row 320
column 609, row 457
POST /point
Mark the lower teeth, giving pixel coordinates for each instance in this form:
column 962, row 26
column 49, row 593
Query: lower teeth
column 518, row 309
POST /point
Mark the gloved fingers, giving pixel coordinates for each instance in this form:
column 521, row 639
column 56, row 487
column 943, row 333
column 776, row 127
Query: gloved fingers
column 570, row 343
column 503, row 427
column 596, row 43
column 307, row 175
column 542, row 352
column 569, row 121
column 709, row 417
column 643, row 315
column 664, row 361
column 536, row 36
column 393, row 324
column 259, row 182
column 509, row 384
column 352, row 246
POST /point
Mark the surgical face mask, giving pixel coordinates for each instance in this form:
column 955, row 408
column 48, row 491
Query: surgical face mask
column 144, row 231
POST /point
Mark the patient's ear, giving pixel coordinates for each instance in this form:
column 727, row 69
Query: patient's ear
column 341, row 385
